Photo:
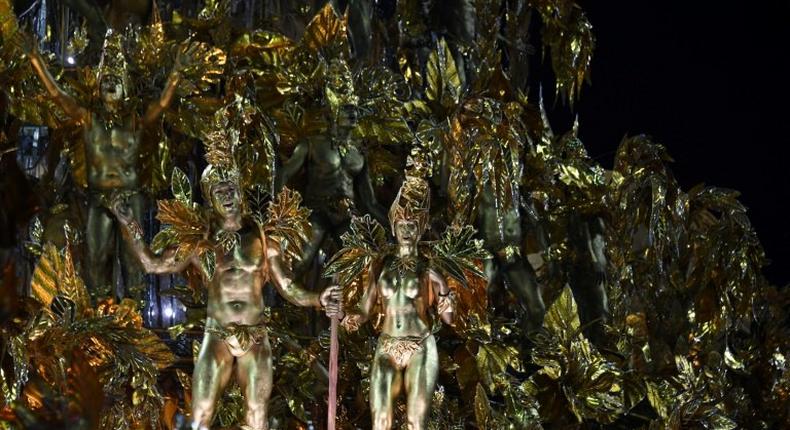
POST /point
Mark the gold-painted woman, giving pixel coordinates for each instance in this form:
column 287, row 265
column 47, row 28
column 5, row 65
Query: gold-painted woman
column 407, row 281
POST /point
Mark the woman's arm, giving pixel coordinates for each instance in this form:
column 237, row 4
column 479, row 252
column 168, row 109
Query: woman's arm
column 353, row 320
column 445, row 299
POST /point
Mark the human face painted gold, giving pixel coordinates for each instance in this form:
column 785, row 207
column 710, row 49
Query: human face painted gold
column 226, row 199
column 111, row 89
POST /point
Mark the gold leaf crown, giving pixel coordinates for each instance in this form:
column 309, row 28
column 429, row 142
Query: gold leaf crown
column 412, row 202
column 339, row 89
column 113, row 61
column 221, row 142
column 216, row 174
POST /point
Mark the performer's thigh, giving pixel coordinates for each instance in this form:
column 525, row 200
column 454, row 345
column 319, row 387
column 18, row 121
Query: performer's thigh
column 100, row 247
column 213, row 369
column 100, row 239
column 385, row 384
column 421, row 375
column 254, row 373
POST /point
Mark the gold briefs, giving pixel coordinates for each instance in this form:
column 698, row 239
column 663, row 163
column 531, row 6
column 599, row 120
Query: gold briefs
column 401, row 348
column 245, row 335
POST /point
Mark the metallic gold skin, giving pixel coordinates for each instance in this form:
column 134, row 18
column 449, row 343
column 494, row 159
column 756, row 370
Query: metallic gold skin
column 338, row 182
column 235, row 305
column 112, row 137
column 406, row 359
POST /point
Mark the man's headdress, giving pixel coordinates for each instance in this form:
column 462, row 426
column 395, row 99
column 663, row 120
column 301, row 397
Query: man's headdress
column 113, row 60
column 213, row 175
column 221, row 143
column 339, row 90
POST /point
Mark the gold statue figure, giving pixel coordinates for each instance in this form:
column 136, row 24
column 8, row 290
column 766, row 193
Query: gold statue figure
column 407, row 287
column 112, row 134
column 235, row 331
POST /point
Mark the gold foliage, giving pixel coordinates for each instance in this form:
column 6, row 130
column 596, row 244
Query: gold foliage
column 326, row 31
column 287, row 222
column 89, row 353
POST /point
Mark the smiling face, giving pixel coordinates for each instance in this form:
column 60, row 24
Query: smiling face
column 226, row 199
column 407, row 231
column 111, row 89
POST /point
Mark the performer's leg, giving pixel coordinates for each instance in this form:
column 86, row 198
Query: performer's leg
column 212, row 372
column 100, row 244
column 134, row 276
column 385, row 385
column 420, row 380
column 254, row 373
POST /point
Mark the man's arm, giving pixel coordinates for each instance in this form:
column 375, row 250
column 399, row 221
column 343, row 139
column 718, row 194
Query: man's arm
column 61, row 98
column 445, row 300
column 156, row 109
column 284, row 281
column 133, row 235
column 183, row 60
column 293, row 165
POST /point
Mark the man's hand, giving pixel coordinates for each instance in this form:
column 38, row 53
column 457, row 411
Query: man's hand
column 186, row 56
column 121, row 209
column 27, row 42
column 332, row 301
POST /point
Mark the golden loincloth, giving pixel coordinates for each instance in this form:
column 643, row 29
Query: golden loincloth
column 245, row 335
column 401, row 348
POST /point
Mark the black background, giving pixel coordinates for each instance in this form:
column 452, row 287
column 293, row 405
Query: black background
column 708, row 79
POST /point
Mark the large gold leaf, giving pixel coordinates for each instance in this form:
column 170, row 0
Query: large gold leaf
column 263, row 49
column 287, row 221
column 44, row 283
column 482, row 408
column 562, row 318
column 326, row 30
column 444, row 82
column 55, row 275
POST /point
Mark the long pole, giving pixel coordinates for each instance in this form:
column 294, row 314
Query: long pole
column 333, row 357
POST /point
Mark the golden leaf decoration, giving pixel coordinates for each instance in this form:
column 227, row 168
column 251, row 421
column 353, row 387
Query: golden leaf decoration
column 287, row 222
column 443, row 80
column 45, row 276
column 326, row 30
column 180, row 186
column 55, row 275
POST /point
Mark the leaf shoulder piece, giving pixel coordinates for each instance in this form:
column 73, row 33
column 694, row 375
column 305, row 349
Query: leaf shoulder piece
column 365, row 241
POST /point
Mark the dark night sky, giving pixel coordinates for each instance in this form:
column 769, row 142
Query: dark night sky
column 708, row 80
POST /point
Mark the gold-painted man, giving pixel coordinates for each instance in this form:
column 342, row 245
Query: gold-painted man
column 339, row 185
column 112, row 134
column 235, row 331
